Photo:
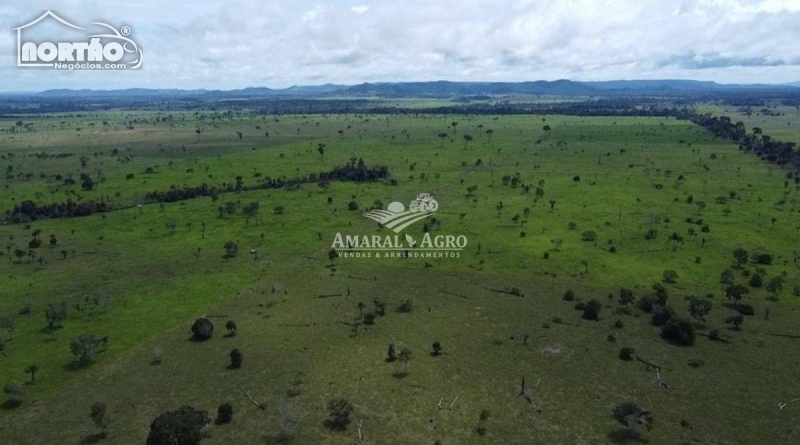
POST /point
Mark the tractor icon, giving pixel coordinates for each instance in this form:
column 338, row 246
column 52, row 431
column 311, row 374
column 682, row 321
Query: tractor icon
column 423, row 203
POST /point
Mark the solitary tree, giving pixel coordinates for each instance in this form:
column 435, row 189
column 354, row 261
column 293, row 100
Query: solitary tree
column 442, row 136
column 437, row 349
column 231, row 327
column 32, row 369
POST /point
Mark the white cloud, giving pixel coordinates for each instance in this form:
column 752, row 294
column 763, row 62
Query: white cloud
column 234, row 44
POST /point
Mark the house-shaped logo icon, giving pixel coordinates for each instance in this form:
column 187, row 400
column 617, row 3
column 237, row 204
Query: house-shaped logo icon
column 116, row 48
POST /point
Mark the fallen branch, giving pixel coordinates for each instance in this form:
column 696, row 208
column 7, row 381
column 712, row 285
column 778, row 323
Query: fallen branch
column 294, row 325
column 329, row 295
column 360, row 436
column 258, row 404
column 453, row 293
column 648, row 363
column 794, row 337
column 454, row 401
column 783, row 405
column 439, row 405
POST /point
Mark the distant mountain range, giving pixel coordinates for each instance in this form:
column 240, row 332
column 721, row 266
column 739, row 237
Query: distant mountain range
column 444, row 89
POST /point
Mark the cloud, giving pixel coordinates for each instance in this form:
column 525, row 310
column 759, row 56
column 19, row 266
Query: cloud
column 240, row 43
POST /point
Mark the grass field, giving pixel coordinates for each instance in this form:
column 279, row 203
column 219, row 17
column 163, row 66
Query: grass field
column 143, row 273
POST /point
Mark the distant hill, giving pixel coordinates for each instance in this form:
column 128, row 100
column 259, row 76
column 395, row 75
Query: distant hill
column 444, row 89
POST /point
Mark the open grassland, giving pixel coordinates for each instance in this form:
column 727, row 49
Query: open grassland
column 141, row 274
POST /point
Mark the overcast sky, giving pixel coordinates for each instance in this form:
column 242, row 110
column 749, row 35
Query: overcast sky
column 228, row 44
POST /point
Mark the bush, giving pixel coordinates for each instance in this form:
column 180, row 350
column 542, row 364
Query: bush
column 619, row 324
column 661, row 315
column 405, row 307
column 339, row 411
column 202, row 329
column 231, row 249
column 184, row 426
column 647, row 302
column 84, row 348
column 224, row 414
column 353, row 206
column 591, row 310
column 626, row 354
column 569, row 295
column 669, row 276
column 756, row 280
column 678, row 331
column 625, row 296
column 630, row 414
column 231, row 327
column 236, row 359
column 589, row 236
column 15, row 392
column 746, row 309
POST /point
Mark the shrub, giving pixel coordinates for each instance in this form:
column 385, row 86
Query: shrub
column 669, row 276
column 619, row 324
column 630, row 414
column 756, row 280
column 626, row 353
column 746, row 309
column 84, row 348
column 646, row 303
column 339, row 411
column 678, row 331
column 202, row 329
column 184, row 426
column 236, row 359
column 15, row 392
column 224, row 414
column 661, row 315
column 591, row 310
column 405, row 307
column 589, row 236
column 569, row 295
column 625, row 296
column 231, row 327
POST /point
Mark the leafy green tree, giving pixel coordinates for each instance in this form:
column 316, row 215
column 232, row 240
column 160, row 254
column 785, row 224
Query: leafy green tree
column 741, row 257
column 699, row 308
